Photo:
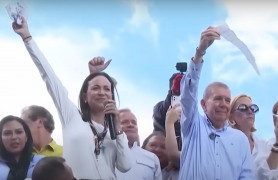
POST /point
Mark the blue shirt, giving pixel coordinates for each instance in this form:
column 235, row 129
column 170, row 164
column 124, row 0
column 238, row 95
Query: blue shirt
column 4, row 168
column 225, row 157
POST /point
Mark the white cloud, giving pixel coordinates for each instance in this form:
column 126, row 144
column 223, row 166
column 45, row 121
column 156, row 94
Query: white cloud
column 142, row 23
column 255, row 23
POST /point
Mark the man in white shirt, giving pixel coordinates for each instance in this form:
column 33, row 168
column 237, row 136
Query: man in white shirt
column 145, row 165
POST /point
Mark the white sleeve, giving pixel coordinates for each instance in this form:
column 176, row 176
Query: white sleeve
column 66, row 109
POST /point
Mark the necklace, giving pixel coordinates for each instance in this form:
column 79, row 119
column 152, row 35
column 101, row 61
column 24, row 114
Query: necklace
column 98, row 137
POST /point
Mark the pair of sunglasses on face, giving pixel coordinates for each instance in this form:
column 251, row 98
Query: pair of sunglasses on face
column 244, row 108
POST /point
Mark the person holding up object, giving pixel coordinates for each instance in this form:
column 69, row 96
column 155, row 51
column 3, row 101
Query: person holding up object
column 87, row 145
column 172, row 116
column 210, row 148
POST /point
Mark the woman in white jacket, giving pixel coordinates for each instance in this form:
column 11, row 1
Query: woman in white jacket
column 87, row 146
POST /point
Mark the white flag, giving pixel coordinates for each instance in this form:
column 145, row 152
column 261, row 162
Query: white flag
column 229, row 35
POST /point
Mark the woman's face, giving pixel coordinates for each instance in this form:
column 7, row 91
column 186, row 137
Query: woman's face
column 156, row 145
column 14, row 137
column 244, row 120
column 99, row 90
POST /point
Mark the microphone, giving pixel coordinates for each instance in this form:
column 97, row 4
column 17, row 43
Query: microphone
column 109, row 118
column 212, row 136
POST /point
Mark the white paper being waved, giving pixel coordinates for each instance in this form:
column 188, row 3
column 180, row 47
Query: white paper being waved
column 16, row 10
column 229, row 35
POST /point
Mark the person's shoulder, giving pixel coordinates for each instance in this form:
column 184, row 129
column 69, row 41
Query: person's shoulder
column 54, row 145
column 146, row 156
column 235, row 133
column 36, row 158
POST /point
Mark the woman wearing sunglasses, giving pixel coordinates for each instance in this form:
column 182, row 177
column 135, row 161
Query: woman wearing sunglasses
column 242, row 117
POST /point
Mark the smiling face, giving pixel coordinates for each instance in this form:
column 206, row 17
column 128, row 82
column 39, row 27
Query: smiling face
column 156, row 145
column 99, row 90
column 14, row 137
column 244, row 121
column 216, row 105
column 129, row 126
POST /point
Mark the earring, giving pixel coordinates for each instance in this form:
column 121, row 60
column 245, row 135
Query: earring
column 233, row 123
column 85, row 102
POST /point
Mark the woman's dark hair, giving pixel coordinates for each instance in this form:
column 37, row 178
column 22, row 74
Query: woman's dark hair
column 49, row 168
column 84, row 106
column 18, row 170
column 154, row 133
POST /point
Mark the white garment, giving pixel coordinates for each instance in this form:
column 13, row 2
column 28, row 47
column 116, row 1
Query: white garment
column 260, row 154
column 78, row 138
column 145, row 166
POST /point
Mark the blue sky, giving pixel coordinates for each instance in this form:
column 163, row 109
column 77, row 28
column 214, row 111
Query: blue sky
column 145, row 39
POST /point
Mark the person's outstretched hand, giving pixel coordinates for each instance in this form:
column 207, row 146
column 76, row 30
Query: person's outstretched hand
column 207, row 38
column 97, row 64
column 22, row 29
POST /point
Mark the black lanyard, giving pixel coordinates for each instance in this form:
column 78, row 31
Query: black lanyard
column 99, row 137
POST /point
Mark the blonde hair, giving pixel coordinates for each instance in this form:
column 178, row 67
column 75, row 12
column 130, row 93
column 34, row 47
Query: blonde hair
column 233, row 103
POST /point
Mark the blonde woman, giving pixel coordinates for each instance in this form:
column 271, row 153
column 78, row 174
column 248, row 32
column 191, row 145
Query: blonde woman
column 242, row 117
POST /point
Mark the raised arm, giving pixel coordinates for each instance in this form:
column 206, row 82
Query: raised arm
column 190, row 81
column 173, row 115
column 207, row 38
column 66, row 109
column 22, row 30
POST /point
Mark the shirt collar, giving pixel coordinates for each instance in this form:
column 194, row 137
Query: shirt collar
column 226, row 124
column 51, row 146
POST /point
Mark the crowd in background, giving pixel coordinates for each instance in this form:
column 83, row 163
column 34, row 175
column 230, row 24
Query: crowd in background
column 184, row 144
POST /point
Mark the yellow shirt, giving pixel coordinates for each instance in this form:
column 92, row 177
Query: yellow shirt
column 52, row 149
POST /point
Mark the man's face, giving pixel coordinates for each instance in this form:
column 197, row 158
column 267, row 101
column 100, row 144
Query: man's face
column 129, row 126
column 156, row 145
column 217, row 105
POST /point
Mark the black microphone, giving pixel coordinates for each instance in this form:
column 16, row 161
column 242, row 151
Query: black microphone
column 212, row 136
column 109, row 118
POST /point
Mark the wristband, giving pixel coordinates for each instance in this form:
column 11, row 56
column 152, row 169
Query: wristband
column 274, row 149
column 198, row 51
column 26, row 38
column 119, row 132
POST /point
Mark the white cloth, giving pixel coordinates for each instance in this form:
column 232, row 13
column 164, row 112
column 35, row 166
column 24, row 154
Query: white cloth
column 78, row 138
column 260, row 154
column 145, row 166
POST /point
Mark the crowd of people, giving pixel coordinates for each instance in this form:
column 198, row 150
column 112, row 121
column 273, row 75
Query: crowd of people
column 185, row 144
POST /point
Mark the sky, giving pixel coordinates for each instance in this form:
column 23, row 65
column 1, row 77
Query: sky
column 145, row 40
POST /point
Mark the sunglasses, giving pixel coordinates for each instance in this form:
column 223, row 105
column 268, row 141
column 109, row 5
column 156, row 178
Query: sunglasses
column 244, row 108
